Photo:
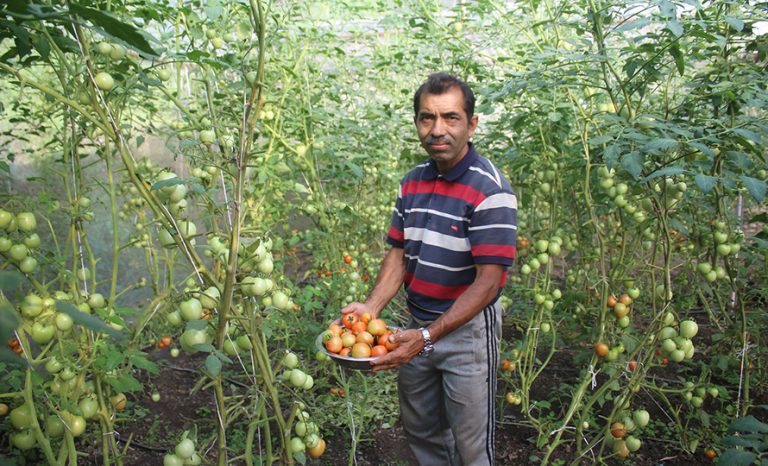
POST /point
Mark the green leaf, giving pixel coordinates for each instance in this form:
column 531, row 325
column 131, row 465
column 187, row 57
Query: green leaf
column 166, row 183
column 675, row 27
column 204, row 347
column 628, row 26
column 748, row 424
column 213, row 365
column 756, row 187
column 199, row 324
column 10, row 280
column 660, row 144
column 735, row 23
column 746, row 441
column 125, row 383
column 9, row 321
column 633, row 163
column 677, row 55
column 666, row 171
column 705, row 183
column 139, row 359
column 111, row 26
column 87, row 320
column 733, row 457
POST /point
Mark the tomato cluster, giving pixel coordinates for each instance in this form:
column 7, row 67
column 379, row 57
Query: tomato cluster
column 360, row 337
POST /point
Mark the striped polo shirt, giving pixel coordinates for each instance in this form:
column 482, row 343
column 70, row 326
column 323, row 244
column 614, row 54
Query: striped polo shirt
column 446, row 224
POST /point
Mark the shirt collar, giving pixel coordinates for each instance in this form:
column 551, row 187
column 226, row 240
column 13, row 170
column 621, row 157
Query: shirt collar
column 431, row 172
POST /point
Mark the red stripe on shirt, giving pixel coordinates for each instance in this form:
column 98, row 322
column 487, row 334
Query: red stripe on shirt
column 501, row 250
column 457, row 190
column 434, row 290
column 396, row 234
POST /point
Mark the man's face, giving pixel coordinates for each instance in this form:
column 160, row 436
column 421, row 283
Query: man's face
column 443, row 127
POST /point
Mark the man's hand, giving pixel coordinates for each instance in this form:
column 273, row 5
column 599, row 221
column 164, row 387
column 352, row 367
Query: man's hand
column 411, row 342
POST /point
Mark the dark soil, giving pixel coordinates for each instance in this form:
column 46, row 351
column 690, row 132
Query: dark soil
column 153, row 428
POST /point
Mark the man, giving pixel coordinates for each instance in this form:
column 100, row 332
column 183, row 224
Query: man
column 453, row 236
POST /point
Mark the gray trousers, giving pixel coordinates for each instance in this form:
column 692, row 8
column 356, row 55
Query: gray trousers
column 447, row 400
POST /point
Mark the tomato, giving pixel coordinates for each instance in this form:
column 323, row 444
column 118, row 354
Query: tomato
column 688, row 329
column 3, row 409
column 24, row 440
column 26, row 221
column 377, row 327
column 172, row 460
column 75, row 424
column 391, row 342
column 364, row 337
column 513, row 398
column 119, row 401
column 633, row 443
column 297, row 378
column 185, row 448
column 5, row 218
column 18, row 252
column 366, row 317
column 207, row 136
column 290, row 360
column 89, row 407
column 42, row 333
column 347, row 259
column 361, row 350
column 620, row 448
column 21, row 416
column 104, row 81
column 32, row 241
column 378, row 350
column 348, row 339
column 620, row 310
column 335, row 329
column 349, row 320
column 63, row 321
column 612, row 301
column 632, row 365
column 345, row 351
column 117, row 52
column 54, row 427
column 710, row 454
column 601, row 349
column 317, row 450
column 358, row 327
column 96, row 301
column 155, row 397
column 164, row 74
column 334, row 344
column 618, row 430
column 191, row 309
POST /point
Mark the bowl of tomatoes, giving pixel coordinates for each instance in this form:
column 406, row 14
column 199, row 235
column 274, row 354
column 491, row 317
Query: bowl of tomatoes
column 356, row 341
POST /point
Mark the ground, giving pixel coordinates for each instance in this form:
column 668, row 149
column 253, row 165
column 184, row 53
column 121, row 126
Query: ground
column 153, row 427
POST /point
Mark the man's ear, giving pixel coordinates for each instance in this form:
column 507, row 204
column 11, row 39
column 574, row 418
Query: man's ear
column 472, row 125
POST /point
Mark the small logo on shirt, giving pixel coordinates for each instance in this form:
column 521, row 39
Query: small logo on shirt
column 454, row 228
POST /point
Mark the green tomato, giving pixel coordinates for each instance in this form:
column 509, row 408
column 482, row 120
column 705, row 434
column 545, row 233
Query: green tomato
column 32, row 241
column 53, row 365
column 290, row 360
column 296, row 445
column 42, row 333
column 32, row 306
column 21, row 416
column 117, row 52
column 688, row 329
column 185, row 449
column 5, row 218
column 641, row 418
column 633, row 443
column 297, row 378
column 207, row 136
column 54, row 427
column 18, row 252
column 155, row 397
column 24, row 440
column 26, row 221
column 172, row 460
column 28, row 265
column 5, row 244
column 174, row 318
column 191, row 309
column 76, row 424
column 104, row 81
column 89, row 406
column 96, row 301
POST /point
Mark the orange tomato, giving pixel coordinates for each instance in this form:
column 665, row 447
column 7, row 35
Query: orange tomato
column 611, row 301
column 632, row 365
column 364, row 337
column 366, row 317
column 601, row 349
column 349, row 320
column 625, row 299
column 318, row 449
column 361, row 350
column 166, row 341
column 347, row 259
column 358, row 327
column 710, row 454
column 333, row 344
column 345, row 351
column 389, row 343
column 379, row 350
column 377, row 327
column 335, row 329
column 506, row 365
column 618, row 430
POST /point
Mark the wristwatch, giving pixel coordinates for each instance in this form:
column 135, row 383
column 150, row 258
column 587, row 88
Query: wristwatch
column 428, row 346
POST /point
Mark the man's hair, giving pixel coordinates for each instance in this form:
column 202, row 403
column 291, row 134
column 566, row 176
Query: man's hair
column 440, row 83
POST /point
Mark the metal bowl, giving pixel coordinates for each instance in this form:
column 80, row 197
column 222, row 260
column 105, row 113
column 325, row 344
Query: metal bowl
column 359, row 364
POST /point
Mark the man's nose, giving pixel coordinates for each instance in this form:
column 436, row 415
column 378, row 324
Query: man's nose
column 438, row 128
